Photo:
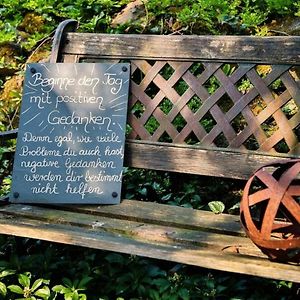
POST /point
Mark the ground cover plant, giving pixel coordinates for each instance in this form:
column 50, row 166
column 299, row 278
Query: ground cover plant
column 32, row 269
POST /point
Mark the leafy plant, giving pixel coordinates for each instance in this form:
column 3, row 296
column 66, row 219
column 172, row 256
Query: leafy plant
column 72, row 290
column 38, row 289
column 252, row 17
column 216, row 207
column 280, row 6
column 4, row 273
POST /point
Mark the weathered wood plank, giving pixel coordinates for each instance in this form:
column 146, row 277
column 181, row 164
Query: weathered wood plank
column 210, row 255
column 196, row 160
column 220, row 48
column 165, row 215
column 135, row 211
column 139, row 230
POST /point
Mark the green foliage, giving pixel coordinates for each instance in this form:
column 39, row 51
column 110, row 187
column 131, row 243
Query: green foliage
column 6, row 153
column 94, row 15
column 5, row 186
column 252, row 16
column 201, row 16
column 216, row 207
column 205, row 15
column 162, row 187
column 72, row 290
column 4, row 273
column 297, row 6
column 215, row 16
column 8, row 32
column 38, row 289
column 280, row 6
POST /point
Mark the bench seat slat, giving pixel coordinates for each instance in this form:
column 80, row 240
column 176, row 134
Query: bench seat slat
column 174, row 216
column 143, row 230
column 132, row 211
column 87, row 227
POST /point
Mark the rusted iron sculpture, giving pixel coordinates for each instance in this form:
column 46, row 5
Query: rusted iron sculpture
column 270, row 210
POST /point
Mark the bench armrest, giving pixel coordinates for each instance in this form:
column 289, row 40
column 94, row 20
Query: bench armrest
column 7, row 135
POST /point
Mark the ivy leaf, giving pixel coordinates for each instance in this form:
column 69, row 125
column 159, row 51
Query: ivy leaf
column 162, row 284
column 72, row 296
column 216, row 207
column 3, row 290
column 15, row 289
column 36, row 284
column 184, row 294
column 43, row 293
column 114, row 258
column 155, row 271
column 143, row 191
column 24, row 280
column 67, row 282
column 154, row 294
column 84, row 281
column 60, row 289
column 5, row 273
column 82, row 297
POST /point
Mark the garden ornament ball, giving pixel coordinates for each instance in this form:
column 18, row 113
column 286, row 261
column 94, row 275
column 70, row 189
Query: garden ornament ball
column 270, row 210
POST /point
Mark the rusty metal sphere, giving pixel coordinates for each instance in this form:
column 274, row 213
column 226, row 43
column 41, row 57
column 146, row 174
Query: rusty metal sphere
column 270, row 210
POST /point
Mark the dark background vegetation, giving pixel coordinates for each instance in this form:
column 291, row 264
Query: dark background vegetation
column 32, row 269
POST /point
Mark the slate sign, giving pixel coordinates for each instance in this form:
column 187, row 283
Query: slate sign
column 70, row 145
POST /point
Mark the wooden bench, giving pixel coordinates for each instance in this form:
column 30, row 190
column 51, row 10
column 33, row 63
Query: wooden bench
column 199, row 79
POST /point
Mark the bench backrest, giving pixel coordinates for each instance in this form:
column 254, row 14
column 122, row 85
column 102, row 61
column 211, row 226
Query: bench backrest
column 203, row 104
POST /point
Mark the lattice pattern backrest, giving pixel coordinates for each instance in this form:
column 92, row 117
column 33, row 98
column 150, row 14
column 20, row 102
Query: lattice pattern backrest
column 225, row 105
column 230, row 105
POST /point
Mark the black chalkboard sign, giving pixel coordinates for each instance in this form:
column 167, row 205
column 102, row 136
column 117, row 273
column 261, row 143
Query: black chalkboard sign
column 70, row 145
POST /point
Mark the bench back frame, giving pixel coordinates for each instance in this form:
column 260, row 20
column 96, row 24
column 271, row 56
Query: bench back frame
column 237, row 120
